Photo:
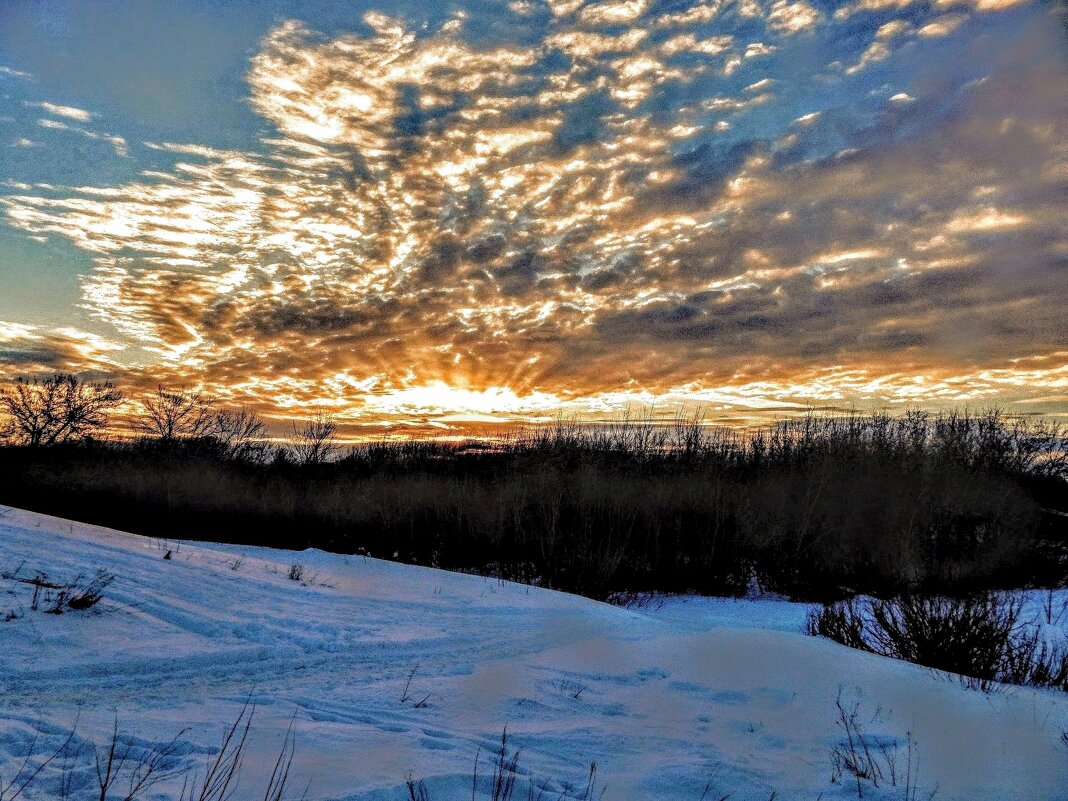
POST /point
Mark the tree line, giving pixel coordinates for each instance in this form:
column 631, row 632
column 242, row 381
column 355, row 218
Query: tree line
column 63, row 408
column 816, row 507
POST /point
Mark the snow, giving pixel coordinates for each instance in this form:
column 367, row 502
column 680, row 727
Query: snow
column 666, row 699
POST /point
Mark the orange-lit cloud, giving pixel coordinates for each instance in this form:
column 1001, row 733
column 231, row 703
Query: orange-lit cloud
column 439, row 232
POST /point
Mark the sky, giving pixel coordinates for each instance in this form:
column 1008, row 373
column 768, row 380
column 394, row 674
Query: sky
column 441, row 218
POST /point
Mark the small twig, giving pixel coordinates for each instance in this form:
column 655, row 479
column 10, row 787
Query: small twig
column 404, row 695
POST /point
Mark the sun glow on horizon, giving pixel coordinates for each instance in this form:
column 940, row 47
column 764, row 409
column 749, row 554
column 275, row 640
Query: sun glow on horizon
column 438, row 397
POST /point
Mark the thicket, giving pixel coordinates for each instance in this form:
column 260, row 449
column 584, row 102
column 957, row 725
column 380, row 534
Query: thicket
column 817, row 508
column 983, row 638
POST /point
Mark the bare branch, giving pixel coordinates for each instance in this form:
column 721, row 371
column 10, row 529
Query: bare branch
column 313, row 442
column 176, row 414
column 60, row 408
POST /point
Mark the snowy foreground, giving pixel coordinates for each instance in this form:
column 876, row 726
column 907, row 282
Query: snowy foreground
column 697, row 693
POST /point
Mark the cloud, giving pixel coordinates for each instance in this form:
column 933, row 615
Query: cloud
column 792, row 17
column 941, row 26
column 606, row 212
column 70, row 112
column 877, row 51
column 612, row 13
column 117, row 142
column 8, row 72
column 847, row 10
column 30, row 349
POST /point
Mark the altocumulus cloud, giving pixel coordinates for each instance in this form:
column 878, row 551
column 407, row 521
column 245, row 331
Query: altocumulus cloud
column 742, row 204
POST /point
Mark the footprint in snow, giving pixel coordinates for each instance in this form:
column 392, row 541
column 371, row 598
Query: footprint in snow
column 645, row 674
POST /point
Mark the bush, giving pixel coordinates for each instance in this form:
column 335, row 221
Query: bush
column 818, row 508
column 979, row 637
column 56, row 597
column 866, row 760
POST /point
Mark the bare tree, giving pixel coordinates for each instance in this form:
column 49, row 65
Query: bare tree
column 60, row 408
column 241, row 434
column 7, row 428
column 174, row 414
column 313, row 441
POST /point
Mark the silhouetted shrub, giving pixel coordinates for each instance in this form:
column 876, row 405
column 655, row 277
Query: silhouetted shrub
column 81, row 593
column 817, row 508
column 980, row 637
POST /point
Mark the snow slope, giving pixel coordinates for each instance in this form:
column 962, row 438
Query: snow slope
column 667, row 700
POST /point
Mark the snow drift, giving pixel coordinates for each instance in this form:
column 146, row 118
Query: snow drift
column 388, row 670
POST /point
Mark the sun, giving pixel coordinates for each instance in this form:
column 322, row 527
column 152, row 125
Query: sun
column 439, row 397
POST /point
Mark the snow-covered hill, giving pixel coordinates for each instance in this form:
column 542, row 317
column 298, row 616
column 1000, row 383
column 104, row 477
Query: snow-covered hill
column 727, row 695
